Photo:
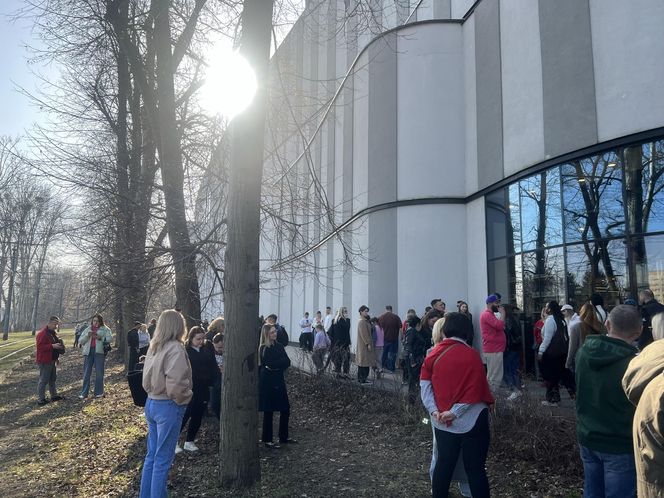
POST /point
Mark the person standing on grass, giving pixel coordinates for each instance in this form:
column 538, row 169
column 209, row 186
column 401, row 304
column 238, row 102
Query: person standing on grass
column 152, row 327
column 418, row 342
column 365, row 357
column 604, row 414
column 390, row 323
column 132, row 345
column 306, row 334
column 492, row 329
column 272, row 395
column 92, row 343
column 167, row 381
column 455, row 392
column 49, row 347
column 215, row 390
column 203, row 370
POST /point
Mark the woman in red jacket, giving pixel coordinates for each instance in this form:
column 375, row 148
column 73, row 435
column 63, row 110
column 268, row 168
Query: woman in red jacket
column 455, row 391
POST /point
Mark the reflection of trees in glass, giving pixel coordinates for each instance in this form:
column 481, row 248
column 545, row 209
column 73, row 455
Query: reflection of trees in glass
column 644, row 180
column 543, row 278
column 585, row 277
column 593, row 210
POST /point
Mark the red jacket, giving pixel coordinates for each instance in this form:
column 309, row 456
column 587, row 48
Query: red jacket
column 493, row 333
column 45, row 340
column 458, row 377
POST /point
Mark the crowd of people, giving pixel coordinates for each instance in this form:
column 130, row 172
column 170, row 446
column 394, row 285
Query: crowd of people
column 611, row 364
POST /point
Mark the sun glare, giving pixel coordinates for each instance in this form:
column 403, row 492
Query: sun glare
column 230, row 83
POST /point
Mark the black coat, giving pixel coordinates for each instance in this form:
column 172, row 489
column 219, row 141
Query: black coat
column 340, row 333
column 132, row 345
column 272, row 396
column 203, row 370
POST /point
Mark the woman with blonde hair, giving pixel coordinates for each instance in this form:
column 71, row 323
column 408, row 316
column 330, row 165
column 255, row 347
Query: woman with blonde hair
column 340, row 342
column 217, row 326
column 272, row 395
column 167, row 381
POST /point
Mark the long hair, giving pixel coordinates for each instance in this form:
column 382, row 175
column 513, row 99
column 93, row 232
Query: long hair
column 265, row 341
column 340, row 314
column 193, row 331
column 590, row 324
column 99, row 318
column 170, row 327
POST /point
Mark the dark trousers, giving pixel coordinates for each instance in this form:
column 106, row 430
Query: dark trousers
column 474, row 446
column 341, row 358
column 362, row 373
column 307, row 341
column 389, row 359
column 283, row 426
column 555, row 373
column 47, row 377
column 215, row 398
column 413, row 382
column 194, row 414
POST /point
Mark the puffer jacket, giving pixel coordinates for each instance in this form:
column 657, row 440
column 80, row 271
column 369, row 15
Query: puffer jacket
column 644, row 386
column 103, row 335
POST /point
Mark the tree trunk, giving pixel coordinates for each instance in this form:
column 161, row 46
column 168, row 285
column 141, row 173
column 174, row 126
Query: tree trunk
column 239, row 461
column 170, row 155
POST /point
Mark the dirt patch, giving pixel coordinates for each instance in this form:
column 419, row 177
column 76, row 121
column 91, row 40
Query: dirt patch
column 352, row 440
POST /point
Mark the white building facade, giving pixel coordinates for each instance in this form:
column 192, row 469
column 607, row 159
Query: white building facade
column 417, row 133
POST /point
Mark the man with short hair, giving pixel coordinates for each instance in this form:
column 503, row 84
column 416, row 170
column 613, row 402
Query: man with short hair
column 439, row 305
column 327, row 321
column 494, row 341
column 391, row 325
column 604, row 414
column 649, row 308
column 306, row 336
column 49, row 348
column 132, row 345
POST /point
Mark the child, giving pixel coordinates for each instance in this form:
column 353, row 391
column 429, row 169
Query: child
column 321, row 345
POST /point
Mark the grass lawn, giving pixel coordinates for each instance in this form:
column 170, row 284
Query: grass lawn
column 21, row 345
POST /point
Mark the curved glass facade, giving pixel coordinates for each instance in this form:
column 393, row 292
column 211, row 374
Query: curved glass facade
column 592, row 225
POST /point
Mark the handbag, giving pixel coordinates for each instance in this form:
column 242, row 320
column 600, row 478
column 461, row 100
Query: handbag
column 107, row 347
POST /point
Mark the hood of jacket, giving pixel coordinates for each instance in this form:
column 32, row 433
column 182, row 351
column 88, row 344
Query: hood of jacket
column 604, row 351
column 643, row 369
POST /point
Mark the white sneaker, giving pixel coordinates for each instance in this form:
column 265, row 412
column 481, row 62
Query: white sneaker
column 514, row 396
column 548, row 403
column 190, row 446
column 178, row 449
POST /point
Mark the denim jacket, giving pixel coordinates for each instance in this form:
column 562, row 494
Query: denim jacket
column 103, row 335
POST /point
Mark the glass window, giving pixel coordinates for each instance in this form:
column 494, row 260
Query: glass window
column 597, row 267
column 593, row 198
column 644, row 181
column 505, row 278
column 543, row 279
column 649, row 267
column 541, row 216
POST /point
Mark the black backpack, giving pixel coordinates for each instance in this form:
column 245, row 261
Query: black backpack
column 560, row 341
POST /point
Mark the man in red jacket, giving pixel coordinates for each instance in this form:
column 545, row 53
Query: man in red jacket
column 493, row 340
column 49, row 347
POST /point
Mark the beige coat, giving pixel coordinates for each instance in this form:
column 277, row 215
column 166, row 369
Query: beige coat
column 365, row 356
column 644, row 385
column 167, row 373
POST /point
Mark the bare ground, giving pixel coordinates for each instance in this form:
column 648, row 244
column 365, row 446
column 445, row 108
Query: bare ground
column 352, row 440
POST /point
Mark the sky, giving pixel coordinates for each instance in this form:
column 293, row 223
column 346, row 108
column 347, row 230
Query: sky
column 17, row 114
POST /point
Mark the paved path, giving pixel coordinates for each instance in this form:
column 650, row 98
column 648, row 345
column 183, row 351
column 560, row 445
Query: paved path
column 391, row 382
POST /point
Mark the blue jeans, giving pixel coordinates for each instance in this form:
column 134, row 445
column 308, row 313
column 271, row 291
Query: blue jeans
column 608, row 475
column 95, row 360
column 164, row 418
column 390, row 350
column 511, row 370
